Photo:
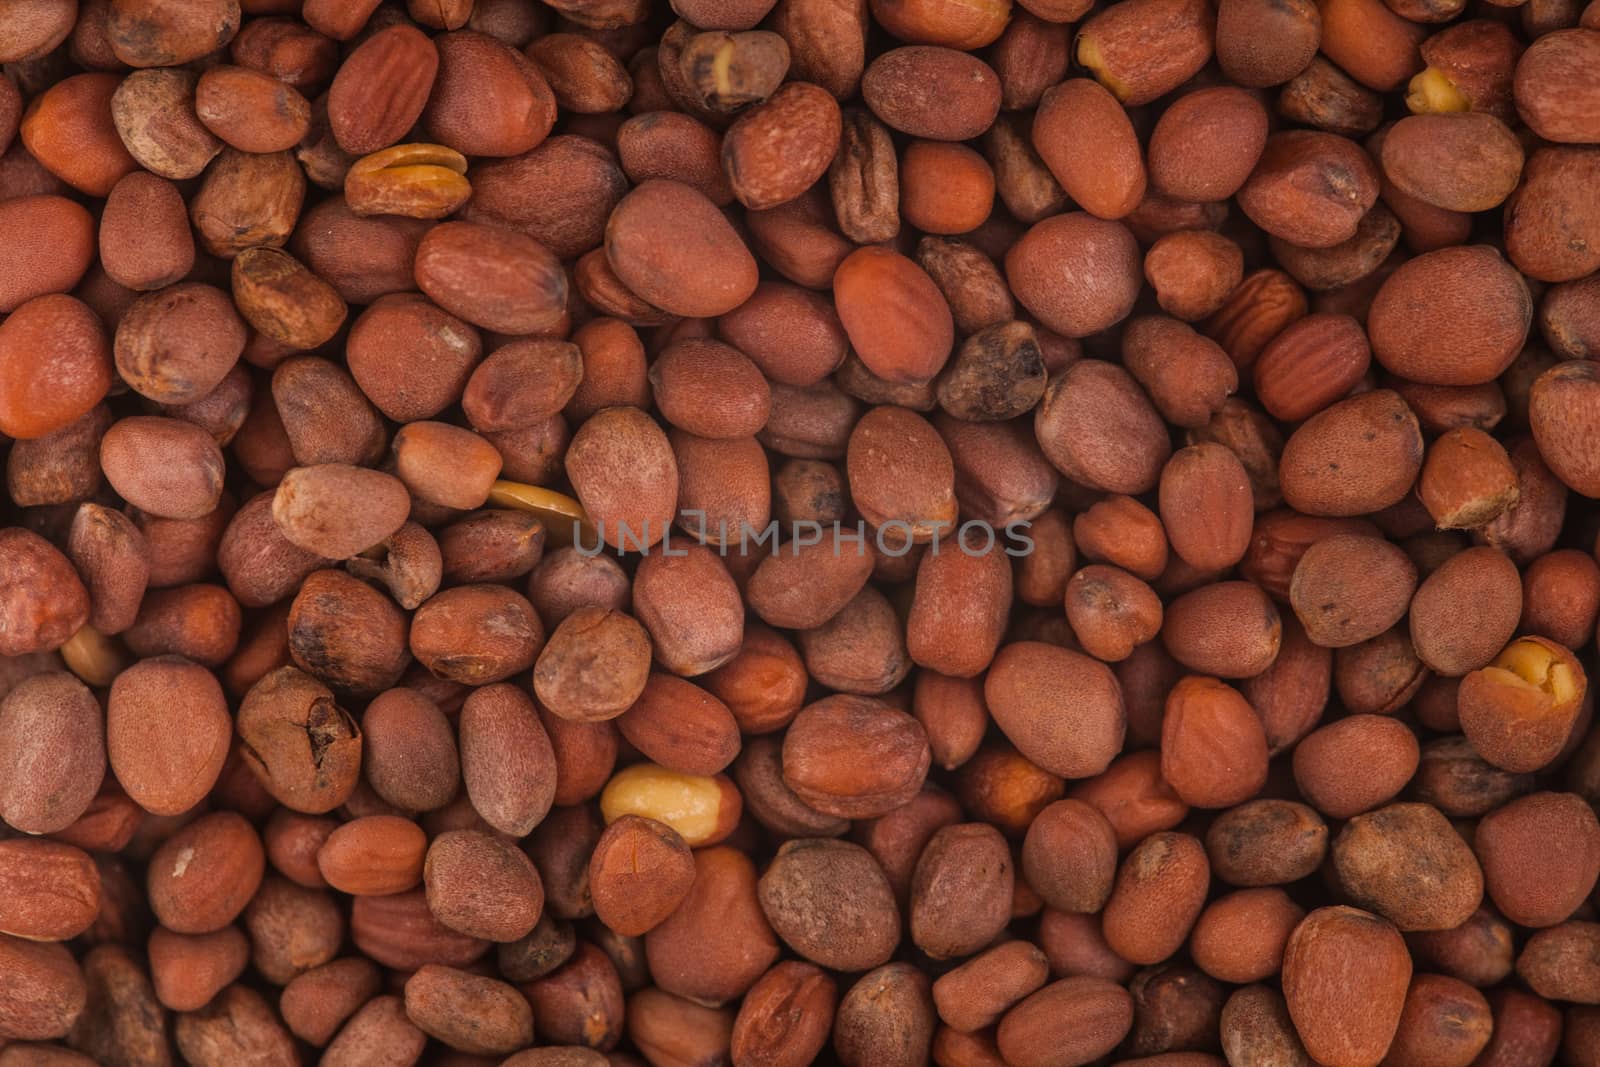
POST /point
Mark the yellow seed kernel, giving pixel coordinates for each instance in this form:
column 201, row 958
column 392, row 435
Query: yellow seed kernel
column 1533, row 663
column 1432, row 92
column 94, row 657
column 1089, row 55
column 689, row 803
column 561, row 514
column 422, row 181
column 722, row 67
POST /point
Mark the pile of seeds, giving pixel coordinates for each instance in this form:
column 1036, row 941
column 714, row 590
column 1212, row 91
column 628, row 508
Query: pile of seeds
column 579, row 533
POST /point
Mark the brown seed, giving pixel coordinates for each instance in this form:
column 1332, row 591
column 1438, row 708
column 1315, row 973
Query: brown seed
column 1145, row 51
column 492, row 277
column 317, row 1003
column 482, row 885
column 1531, row 884
column 997, row 373
column 864, row 179
column 325, row 415
column 559, row 194
column 410, row 757
column 830, row 902
column 621, row 467
column 1558, row 59
column 1075, row 245
column 49, row 992
column 347, row 634
column 1467, row 480
column 167, row 733
column 1445, row 1020
column 901, row 478
column 977, row 993
column 667, row 1027
column 1266, row 842
column 337, row 511
column 201, row 877
column 1076, row 1020
column 52, row 753
column 910, row 90
column 188, row 970
column 581, row 1004
column 374, row 856
column 1380, row 443
column 145, row 242
column 248, row 200
column 507, row 763
column 1456, row 780
column 1213, row 748
column 1240, row 937
column 237, row 1025
column 468, row 1012
column 709, row 389
column 283, row 300
column 785, row 1018
column 48, row 891
column 594, row 666
column 886, row 1018
column 1002, row 787
column 1097, row 427
column 640, row 872
column 661, row 238
column 780, row 147
column 1229, row 629
column 399, row 931
column 1519, row 710
column 1408, row 864
column 1256, row 1026
column 522, row 383
column 444, row 465
column 1189, row 377
column 1019, row 690
column 68, row 128
column 1205, row 145
column 476, row 634
column 913, row 343
column 1310, row 188
column 186, row 481
column 1385, row 748
column 1332, row 953
column 1558, row 963
column 43, row 602
column 1311, row 364
column 154, row 113
column 717, row 943
column 1447, row 637
column 1206, row 506
column 1111, row 612
column 1456, row 316
column 681, row 726
column 1159, row 893
column 1069, row 856
column 1099, row 164
column 381, row 89
column 855, row 757
column 1468, row 162
column 304, row 748
column 1548, row 233
column 961, row 890
column 1561, row 409
column 1349, row 588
